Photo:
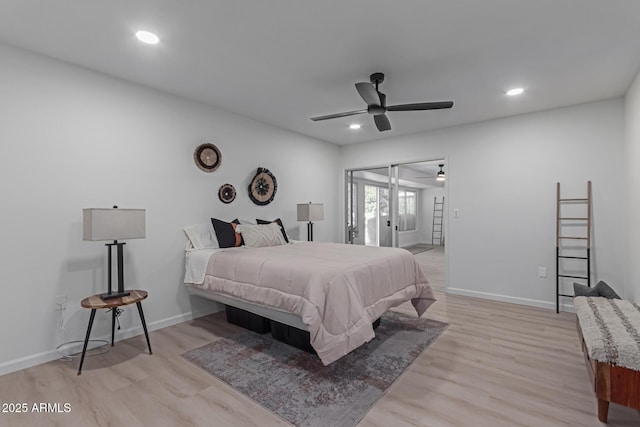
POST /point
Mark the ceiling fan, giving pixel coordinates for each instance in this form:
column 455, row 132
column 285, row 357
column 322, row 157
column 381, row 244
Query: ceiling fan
column 440, row 176
column 377, row 104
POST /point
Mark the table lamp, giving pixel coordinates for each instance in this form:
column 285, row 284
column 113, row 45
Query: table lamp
column 113, row 224
column 310, row 212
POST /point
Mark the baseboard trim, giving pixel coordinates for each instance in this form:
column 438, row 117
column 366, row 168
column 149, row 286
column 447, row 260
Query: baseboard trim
column 550, row 305
column 47, row 356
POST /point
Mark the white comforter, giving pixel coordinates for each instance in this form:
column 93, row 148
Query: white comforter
column 338, row 290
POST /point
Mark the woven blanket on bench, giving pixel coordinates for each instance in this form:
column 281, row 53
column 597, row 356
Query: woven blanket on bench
column 611, row 330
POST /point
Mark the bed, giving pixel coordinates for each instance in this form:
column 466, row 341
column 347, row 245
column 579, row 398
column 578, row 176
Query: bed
column 334, row 291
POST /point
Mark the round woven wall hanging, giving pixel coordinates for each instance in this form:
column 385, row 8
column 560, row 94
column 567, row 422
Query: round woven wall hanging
column 263, row 186
column 227, row 193
column 207, row 157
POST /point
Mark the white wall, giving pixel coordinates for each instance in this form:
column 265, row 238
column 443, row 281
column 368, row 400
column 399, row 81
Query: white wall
column 632, row 179
column 71, row 139
column 501, row 175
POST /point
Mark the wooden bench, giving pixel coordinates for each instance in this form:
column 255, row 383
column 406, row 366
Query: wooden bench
column 611, row 382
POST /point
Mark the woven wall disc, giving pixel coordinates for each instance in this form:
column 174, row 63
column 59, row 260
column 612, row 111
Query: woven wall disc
column 207, row 157
column 227, row 193
column 263, row 186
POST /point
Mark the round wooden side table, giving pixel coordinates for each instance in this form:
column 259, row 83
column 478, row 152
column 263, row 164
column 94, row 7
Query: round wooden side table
column 95, row 302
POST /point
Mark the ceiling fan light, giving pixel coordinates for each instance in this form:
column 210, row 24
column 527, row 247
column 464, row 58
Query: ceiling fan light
column 440, row 175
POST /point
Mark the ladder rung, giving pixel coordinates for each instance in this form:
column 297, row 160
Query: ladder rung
column 565, row 295
column 574, row 219
column 573, row 277
column 572, row 257
column 573, row 238
column 573, row 200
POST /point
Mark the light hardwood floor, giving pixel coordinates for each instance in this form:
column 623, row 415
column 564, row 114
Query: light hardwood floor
column 432, row 263
column 498, row 364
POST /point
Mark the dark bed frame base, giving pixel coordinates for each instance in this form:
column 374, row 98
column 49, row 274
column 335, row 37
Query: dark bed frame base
column 287, row 334
column 247, row 320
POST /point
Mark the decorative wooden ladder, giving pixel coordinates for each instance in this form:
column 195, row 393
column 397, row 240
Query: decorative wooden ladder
column 574, row 222
column 438, row 216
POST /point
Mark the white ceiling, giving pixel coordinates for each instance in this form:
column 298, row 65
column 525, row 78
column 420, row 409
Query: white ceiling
column 284, row 61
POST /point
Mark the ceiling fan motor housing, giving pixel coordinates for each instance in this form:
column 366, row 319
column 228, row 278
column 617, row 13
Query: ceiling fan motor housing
column 376, row 109
column 376, row 78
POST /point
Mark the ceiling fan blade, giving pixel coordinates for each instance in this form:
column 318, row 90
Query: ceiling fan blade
column 421, row 106
column 337, row 115
column 368, row 93
column 382, row 122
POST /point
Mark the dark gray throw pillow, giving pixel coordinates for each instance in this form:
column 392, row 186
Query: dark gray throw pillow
column 584, row 291
column 226, row 233
column 606, row 291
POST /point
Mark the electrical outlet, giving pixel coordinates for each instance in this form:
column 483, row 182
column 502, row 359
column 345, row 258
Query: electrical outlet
column 61, row 302
column 456, row 213
column 542, row 272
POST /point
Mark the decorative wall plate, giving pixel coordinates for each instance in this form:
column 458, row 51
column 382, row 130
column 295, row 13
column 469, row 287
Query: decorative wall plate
column 227, row 193
column 207, row 157
column 263, row 186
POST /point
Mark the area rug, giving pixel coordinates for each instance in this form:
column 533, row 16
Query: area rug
column 416, row 249
column 296, row 386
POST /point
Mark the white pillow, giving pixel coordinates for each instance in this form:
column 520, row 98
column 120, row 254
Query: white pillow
column 246, row 221
column 258, row 236
column 202, row 236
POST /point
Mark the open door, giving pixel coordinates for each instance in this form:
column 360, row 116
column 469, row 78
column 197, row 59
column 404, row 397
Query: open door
column 377, row 215
column 393, row 208
column 368, row 207
column 351, row 202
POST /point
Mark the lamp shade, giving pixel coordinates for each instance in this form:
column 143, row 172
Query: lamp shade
column 113, row 224
column 310, row 212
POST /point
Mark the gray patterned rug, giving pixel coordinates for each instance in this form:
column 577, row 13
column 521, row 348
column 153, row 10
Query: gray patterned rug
column 296, row 386
column 419, row 248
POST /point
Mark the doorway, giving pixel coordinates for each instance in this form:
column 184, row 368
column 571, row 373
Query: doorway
column 376, row 215
column 368, row 207
column 397, row 205
column 400, row 205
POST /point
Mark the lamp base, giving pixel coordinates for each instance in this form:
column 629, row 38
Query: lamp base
column 113, row 295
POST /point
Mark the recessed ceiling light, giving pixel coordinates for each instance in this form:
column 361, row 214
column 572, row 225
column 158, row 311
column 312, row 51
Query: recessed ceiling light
column 515, row 91
column 354, row 126
column 147, row 37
